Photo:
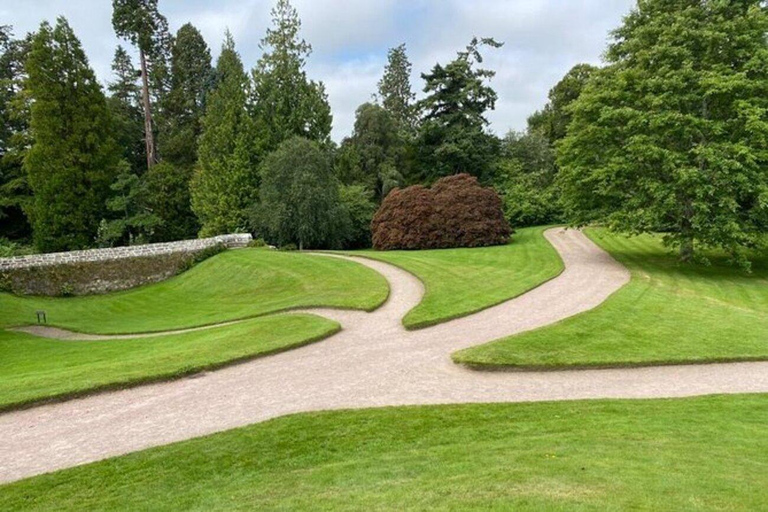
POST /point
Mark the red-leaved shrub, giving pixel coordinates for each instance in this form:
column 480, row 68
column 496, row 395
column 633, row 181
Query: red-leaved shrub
column 455, row 212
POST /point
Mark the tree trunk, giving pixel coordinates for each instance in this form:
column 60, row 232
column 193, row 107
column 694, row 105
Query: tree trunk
column 149, row 136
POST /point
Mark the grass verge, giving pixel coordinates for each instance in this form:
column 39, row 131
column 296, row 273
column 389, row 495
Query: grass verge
column 685, row 454
column 670, row 313
column 34, row 370
column 459, row 282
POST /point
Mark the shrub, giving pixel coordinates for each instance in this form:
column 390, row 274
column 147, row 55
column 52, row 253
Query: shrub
column 455, row 212
column 258, row 243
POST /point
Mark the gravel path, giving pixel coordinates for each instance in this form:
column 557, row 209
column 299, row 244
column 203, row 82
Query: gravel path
column 372, row 362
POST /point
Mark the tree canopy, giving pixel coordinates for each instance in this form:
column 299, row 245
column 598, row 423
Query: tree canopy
column 672, row 135
column 395, row 91
column 73, row 159
column 285, row 102
column 225, row 184
column 452, row 138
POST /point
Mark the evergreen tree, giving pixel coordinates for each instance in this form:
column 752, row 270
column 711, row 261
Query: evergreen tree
column 73, row 159
column 15, row 195
column 300, row 197
column 168, row 198
column 553, row 120
column 286, row 103
column 673, row 135
column 191, row 76
column 139, row 22
column 225, row 184
column 132, row 221
column 125, row 106
column 452, row 138
column 395, row 89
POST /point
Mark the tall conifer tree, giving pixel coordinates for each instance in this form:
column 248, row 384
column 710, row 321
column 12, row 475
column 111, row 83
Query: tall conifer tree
column 74, row 158
column 225, row 184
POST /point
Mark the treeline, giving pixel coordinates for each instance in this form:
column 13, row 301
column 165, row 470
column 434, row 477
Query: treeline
column 670, row 135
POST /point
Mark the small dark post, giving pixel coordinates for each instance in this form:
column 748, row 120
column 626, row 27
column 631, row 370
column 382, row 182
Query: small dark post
column 41, row 318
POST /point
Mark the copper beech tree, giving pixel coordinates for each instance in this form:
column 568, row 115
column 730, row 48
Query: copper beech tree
column 455, row 212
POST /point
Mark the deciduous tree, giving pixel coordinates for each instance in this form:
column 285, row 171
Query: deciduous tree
column 673, row 135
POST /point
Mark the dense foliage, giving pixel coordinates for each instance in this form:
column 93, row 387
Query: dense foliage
column 74, row 159
column 456, row 212
column 673, row 135
column 226, row 182
column 300, row 198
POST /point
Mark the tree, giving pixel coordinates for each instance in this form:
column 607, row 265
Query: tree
column 191, row 77
column 455, row 212
column 525, row 177
column 358, row 204
column 300, row 197
column 286, row 103
column 553, row 120
column 131, row 220
column 395, row 89
column 139, row 22
column 125, row 105
column 73, row 159
column 672, row 136
column 15, row 196
column 378, row 151
column 168, row 198
column 225, row 184
column 452, row 138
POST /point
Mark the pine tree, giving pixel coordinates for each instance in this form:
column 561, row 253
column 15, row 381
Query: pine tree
column 452, row 138
column 225, row 184
column 73, row 159
column 191, row 76
column 140, row 22
column 286, row 102
column 395, row 91
column 125, row 106
column 673, row 135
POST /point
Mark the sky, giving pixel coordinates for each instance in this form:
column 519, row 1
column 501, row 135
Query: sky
column 542, row 40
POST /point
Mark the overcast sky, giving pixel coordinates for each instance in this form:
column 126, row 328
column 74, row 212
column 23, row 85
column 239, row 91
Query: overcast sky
column 543, row 39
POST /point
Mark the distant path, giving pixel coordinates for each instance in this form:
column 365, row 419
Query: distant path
column 372, row 362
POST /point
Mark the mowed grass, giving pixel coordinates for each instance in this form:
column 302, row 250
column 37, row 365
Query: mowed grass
column 233, row 285
column 459, row 282
column 670, row 313
column 687, row 454
column 34, row 369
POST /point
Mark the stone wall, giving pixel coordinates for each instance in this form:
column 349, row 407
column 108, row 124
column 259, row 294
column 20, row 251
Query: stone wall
column 104, row 270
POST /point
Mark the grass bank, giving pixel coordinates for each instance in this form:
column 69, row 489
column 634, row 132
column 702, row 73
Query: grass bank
column 689, row 454
column 460, row 282
column 670, row 313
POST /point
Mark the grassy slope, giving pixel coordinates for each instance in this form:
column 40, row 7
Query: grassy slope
column 33, row 369
column 233, row 285
column 692, row 454
column 459, row 282
column 669, row 313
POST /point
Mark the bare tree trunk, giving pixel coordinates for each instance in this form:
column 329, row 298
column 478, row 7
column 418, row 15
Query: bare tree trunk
column 149, row 136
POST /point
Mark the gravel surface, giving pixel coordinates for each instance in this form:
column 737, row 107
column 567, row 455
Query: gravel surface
column 372, row 362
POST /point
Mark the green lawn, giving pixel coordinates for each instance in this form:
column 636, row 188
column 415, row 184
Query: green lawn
column 459, row 282
column 34, row 369
column 692, row 454
column 233, row 285
column 669, row 313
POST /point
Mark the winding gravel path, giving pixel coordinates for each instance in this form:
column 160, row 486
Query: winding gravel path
column 372, row 362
